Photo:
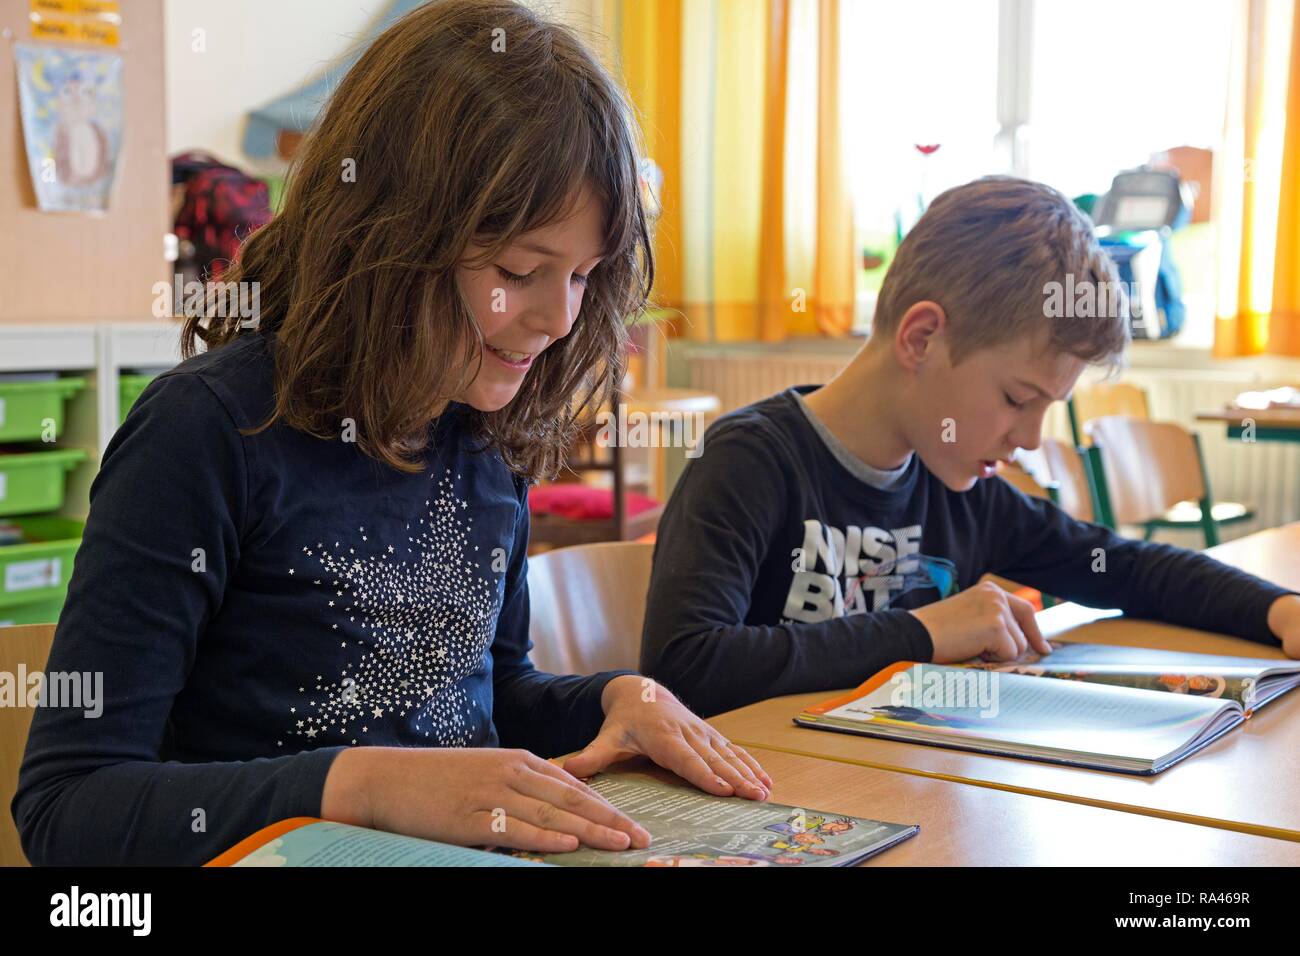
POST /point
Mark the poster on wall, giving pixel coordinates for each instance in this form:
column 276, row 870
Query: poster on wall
column 71, row 102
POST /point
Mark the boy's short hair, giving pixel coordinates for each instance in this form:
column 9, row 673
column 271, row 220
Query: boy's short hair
column 990, row 252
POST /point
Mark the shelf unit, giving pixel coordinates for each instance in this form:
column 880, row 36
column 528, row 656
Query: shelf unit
column 100, row 352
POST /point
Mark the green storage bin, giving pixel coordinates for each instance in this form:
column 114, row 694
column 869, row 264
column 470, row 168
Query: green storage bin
column 35, row 481
column 34, row 574
column 129, row 388
column 25, row 405
column 42, row 612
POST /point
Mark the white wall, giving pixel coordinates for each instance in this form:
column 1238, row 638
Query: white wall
column 256, row 50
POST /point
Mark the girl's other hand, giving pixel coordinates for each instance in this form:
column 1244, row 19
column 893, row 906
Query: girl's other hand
column 643, row 718
column 1284, row 622
column 474, row 797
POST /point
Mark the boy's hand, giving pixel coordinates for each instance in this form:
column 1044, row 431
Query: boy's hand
column 983, row 620
column 643, row 718
column 1284, row 622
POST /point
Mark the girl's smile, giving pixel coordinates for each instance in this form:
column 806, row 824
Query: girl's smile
column 519, row 361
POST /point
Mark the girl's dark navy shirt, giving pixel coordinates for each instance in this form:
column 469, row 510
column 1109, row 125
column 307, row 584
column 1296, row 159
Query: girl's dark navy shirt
column 258, row 603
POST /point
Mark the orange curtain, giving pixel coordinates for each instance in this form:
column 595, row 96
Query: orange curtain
column 773, row 307
column 1257, row 188
column 648, row 45
column 833, row 297
column 713, row 83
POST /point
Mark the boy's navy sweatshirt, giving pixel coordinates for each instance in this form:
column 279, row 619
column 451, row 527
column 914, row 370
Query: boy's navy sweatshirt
column 784, row 566
column 258, row 603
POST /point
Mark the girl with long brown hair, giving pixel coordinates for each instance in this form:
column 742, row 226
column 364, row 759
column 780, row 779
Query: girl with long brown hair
column 303, row 575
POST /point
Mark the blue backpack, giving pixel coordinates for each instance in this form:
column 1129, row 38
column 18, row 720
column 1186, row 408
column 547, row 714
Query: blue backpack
column 1135, row 221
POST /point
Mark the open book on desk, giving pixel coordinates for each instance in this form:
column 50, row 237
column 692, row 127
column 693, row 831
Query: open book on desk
column 1106, row 707
column 688, row 828
column 1250, row 681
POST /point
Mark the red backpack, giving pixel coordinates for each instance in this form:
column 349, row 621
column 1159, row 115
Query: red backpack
column 221, row 208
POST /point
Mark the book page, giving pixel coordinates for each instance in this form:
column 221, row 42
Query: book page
column 1199, row 675
column 692, row 828
column 338, row 844
column 1056, row 715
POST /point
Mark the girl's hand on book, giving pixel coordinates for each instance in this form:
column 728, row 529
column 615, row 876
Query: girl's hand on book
column 643, row 718
column 1284, row 622
column 983, row 620
column 474, row 797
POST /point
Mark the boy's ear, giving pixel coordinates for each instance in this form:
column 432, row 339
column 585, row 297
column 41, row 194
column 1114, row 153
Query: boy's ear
column 918, row 333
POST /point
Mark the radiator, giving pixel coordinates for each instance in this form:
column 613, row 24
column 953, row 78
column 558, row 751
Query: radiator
column 1263, row 475
column 742, row 379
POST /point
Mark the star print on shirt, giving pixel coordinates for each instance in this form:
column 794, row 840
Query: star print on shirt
column 426, row 622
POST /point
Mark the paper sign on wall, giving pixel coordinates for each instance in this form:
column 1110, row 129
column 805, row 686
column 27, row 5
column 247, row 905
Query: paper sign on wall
column 94, row 22
column 71, row 103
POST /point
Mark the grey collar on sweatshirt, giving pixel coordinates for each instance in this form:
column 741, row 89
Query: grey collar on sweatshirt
column 875, row 477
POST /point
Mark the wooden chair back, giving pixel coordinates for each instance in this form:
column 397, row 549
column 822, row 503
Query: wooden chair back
column 1148, row 467
column 1055, row 471
column 1075, row 493
column 28, row 646
column 1103, row 399
column 588, row 606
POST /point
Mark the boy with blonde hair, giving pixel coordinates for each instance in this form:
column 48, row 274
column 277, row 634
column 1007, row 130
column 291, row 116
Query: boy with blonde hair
column 829, row 532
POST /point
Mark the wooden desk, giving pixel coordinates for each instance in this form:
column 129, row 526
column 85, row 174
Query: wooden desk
column 966, row 825
column 681, row 401
column 1271, row 424
column 669, row 402
column 1248, row 780
column 1273, row 554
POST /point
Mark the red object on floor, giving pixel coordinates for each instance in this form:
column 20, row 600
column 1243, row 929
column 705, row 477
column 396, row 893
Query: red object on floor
column 582, row 502
column 1032, row 596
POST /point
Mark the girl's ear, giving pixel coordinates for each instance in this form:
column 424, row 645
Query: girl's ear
column 918, row 333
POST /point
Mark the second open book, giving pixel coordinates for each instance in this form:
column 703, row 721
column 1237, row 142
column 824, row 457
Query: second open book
column 1101, row 706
